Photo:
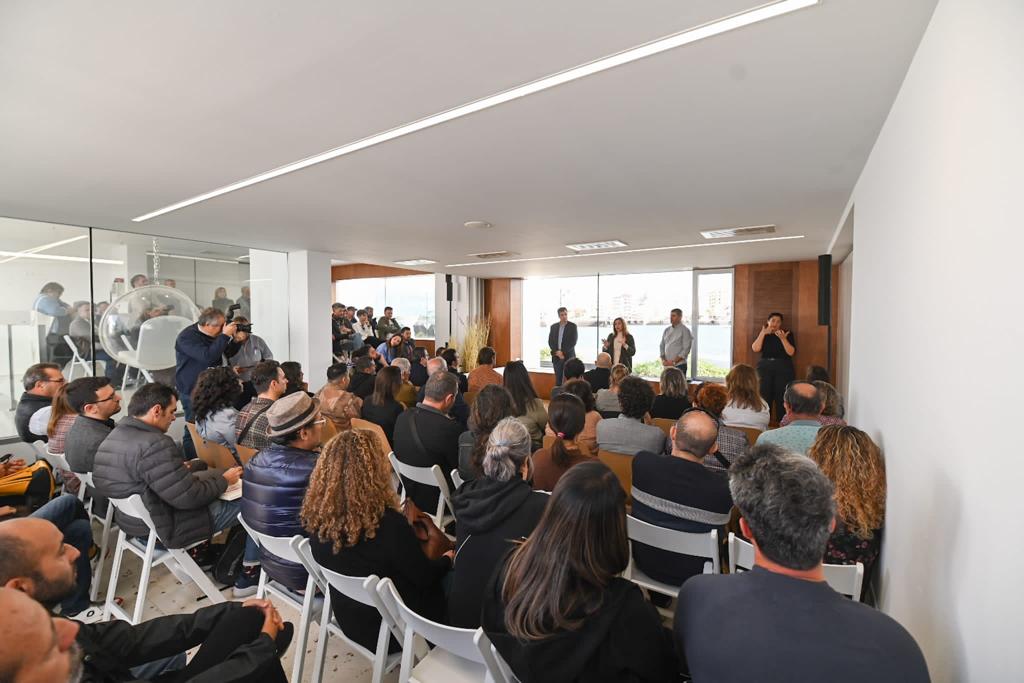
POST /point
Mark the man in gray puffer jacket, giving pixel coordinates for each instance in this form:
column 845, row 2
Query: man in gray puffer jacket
column 139, row 457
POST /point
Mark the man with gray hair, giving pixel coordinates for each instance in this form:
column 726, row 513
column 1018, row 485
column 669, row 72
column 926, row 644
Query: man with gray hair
column 680, row 493
column 427, row 435
column 459, row 409
column 782, row 616
column 803, row 404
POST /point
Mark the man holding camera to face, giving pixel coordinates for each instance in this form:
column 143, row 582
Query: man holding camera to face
column 251, row 350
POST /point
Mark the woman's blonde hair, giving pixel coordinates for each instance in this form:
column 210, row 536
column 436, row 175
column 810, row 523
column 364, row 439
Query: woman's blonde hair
column 349, row 490
column 619, row 372
column 744, row 387
column 831, row 399
column 673, row 383
column 854, row 463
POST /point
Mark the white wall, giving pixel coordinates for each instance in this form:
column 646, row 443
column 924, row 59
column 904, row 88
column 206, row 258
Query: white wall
column 935, row 359
column 843, row 330
column 309, row 314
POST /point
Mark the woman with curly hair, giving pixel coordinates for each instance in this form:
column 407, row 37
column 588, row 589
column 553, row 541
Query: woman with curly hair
column 492, row 405
column 854, row 463
column 213, row 404
column 356, row 528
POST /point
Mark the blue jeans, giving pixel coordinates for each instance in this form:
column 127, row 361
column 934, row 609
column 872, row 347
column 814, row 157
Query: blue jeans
column 68, row 514
column 225, row 516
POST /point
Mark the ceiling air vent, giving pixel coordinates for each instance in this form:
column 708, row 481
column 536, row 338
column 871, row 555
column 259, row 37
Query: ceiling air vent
column 738, row 232
column 487, row 255
column 593, row 246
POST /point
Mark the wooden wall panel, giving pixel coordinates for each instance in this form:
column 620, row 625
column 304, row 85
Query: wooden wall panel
column 503, row 301
column 356, row 271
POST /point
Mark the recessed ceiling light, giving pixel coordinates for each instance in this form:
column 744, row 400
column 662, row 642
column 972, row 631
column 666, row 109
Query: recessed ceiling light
column 738, row 232
column 629, row 251
column 494, row 254
column 478, row 225
column 415, row 262
column 670, row 42
column 593, row 246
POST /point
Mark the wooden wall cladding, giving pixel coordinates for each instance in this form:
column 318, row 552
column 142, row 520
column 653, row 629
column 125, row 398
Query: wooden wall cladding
column 503, row 302
column 357, row 271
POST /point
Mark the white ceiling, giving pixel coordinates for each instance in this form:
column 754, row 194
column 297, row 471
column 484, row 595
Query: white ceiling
column 114, row 109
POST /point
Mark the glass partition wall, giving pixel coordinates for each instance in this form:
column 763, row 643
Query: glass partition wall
column 111, row 303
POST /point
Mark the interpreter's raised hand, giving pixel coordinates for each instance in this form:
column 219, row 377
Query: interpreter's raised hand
column 232, row 475
column 782, row 334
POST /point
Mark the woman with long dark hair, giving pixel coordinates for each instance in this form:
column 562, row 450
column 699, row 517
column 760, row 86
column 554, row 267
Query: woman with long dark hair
column 620, row 344
column 559, row 611
column 382, row 407
column 587, row 439
column 528, row 407
column 213, row 405
column 492, row 405
column 567, row 416
column 391, row 349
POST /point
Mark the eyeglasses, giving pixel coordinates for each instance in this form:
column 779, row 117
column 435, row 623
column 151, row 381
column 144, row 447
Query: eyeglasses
column 59, row 380
column 112, row 397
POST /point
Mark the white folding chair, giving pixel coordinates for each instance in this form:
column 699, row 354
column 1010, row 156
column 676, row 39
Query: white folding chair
column 362, row 589
column 284, row 548
column 428, row 476
column 702, row 545
column 177, row 561
column 496, row 665
column 76, row 360
column 847, row 579
column 458, row 654
column 457, row 479
column 106, row 524
column 57, row 461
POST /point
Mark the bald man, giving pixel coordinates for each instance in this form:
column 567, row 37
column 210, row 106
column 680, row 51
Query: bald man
column 600, row 376
column 679, row 492
column 240, row 641
column 803, row 405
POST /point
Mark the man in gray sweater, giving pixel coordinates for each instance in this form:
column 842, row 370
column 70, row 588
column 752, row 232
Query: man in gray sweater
column 96, row 401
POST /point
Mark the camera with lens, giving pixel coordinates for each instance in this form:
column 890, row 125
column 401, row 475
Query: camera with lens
column 241, row 327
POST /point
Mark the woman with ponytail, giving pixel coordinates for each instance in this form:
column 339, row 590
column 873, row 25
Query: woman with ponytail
column 567, row 418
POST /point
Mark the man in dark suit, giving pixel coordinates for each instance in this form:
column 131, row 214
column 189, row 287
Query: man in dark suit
column 562, row 342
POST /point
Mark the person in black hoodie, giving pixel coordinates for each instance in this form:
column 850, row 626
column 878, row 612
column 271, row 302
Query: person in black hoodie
column 493, row 512
column 363, row 378
column 558, row 610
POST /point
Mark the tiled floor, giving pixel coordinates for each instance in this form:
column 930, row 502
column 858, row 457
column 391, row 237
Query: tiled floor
column 167, row 596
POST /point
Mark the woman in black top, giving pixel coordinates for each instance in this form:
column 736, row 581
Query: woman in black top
column 619, row 344
column 775, row 368
column 382, row 407
column 674, row 397
column 356, row 529
column 492, row 405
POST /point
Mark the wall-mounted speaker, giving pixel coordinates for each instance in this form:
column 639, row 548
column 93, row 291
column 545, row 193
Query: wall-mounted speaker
column 448, row 286
column 825, row 289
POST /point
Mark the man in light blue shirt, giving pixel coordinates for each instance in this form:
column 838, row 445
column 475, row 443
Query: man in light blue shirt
column 676, row 341
column 803, row 404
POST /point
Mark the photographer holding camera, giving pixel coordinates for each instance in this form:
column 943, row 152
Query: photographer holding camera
column 252, row 349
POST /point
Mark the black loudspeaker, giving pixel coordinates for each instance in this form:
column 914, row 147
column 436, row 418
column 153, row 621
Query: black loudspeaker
column 825, row 289
column 448, row 286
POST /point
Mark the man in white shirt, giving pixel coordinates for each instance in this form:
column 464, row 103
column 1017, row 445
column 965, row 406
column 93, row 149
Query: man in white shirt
column 676, row 342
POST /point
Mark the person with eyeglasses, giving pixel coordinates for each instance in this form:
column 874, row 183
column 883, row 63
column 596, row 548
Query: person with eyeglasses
column 41, row 382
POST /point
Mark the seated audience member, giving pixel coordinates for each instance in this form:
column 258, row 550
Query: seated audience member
column 573, row 369
column 407, row 392
column 627, row 433
column 678, row 492
column 382, row 407
column 336, row 403
column 363, row 377
column 427, row 435
column 782, row 617
column 393, row 348
column 41, row 382
column 528, row 408
column 451, row 357
column 803, row 404
column 96, row 402
column 460, row 409
column 492, row 405
column 483, row 374
column 364, row 329
column 731, row 442
column 237, row 642
column 854, row 464
column 745, row 408
column 832, row 406
column 59, row 530
column 356, row 528
column 275, row 482
column 607, row 400
column 270, row 383
column 213, row 405
column 296, row 379
column 408, row 343
column 674, row 397
column 816, row 373
column 252, row 350
column 558, row 610
column 493, row 511
column 567, row 419
column 600, row 376
column 62, row 416
column 587, row 439
column 139, row 457
column 418, row 374
column 387, row 325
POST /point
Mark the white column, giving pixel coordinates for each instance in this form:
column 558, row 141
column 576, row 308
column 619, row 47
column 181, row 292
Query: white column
column 467, row 303
column 268, row 282
column 309, row 314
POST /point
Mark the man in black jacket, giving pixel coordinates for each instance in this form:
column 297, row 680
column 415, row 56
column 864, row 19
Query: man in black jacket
column 362, row 381
column 562, row 342
column 600, row 377
column 418, row 374
column 41, row 382
column 239, row 641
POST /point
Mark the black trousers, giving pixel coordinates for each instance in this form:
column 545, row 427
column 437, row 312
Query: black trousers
column 775, row 374
column 235, row 629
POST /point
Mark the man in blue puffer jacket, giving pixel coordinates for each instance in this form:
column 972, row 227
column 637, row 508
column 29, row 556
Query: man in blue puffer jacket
column 276, row 479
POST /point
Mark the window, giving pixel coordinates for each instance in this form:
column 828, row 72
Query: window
column 644, row 301
column 411, row 297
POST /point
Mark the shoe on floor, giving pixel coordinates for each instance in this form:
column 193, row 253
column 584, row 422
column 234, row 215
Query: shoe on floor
column 247, row 582
column 90, row 615
column 205, row 555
